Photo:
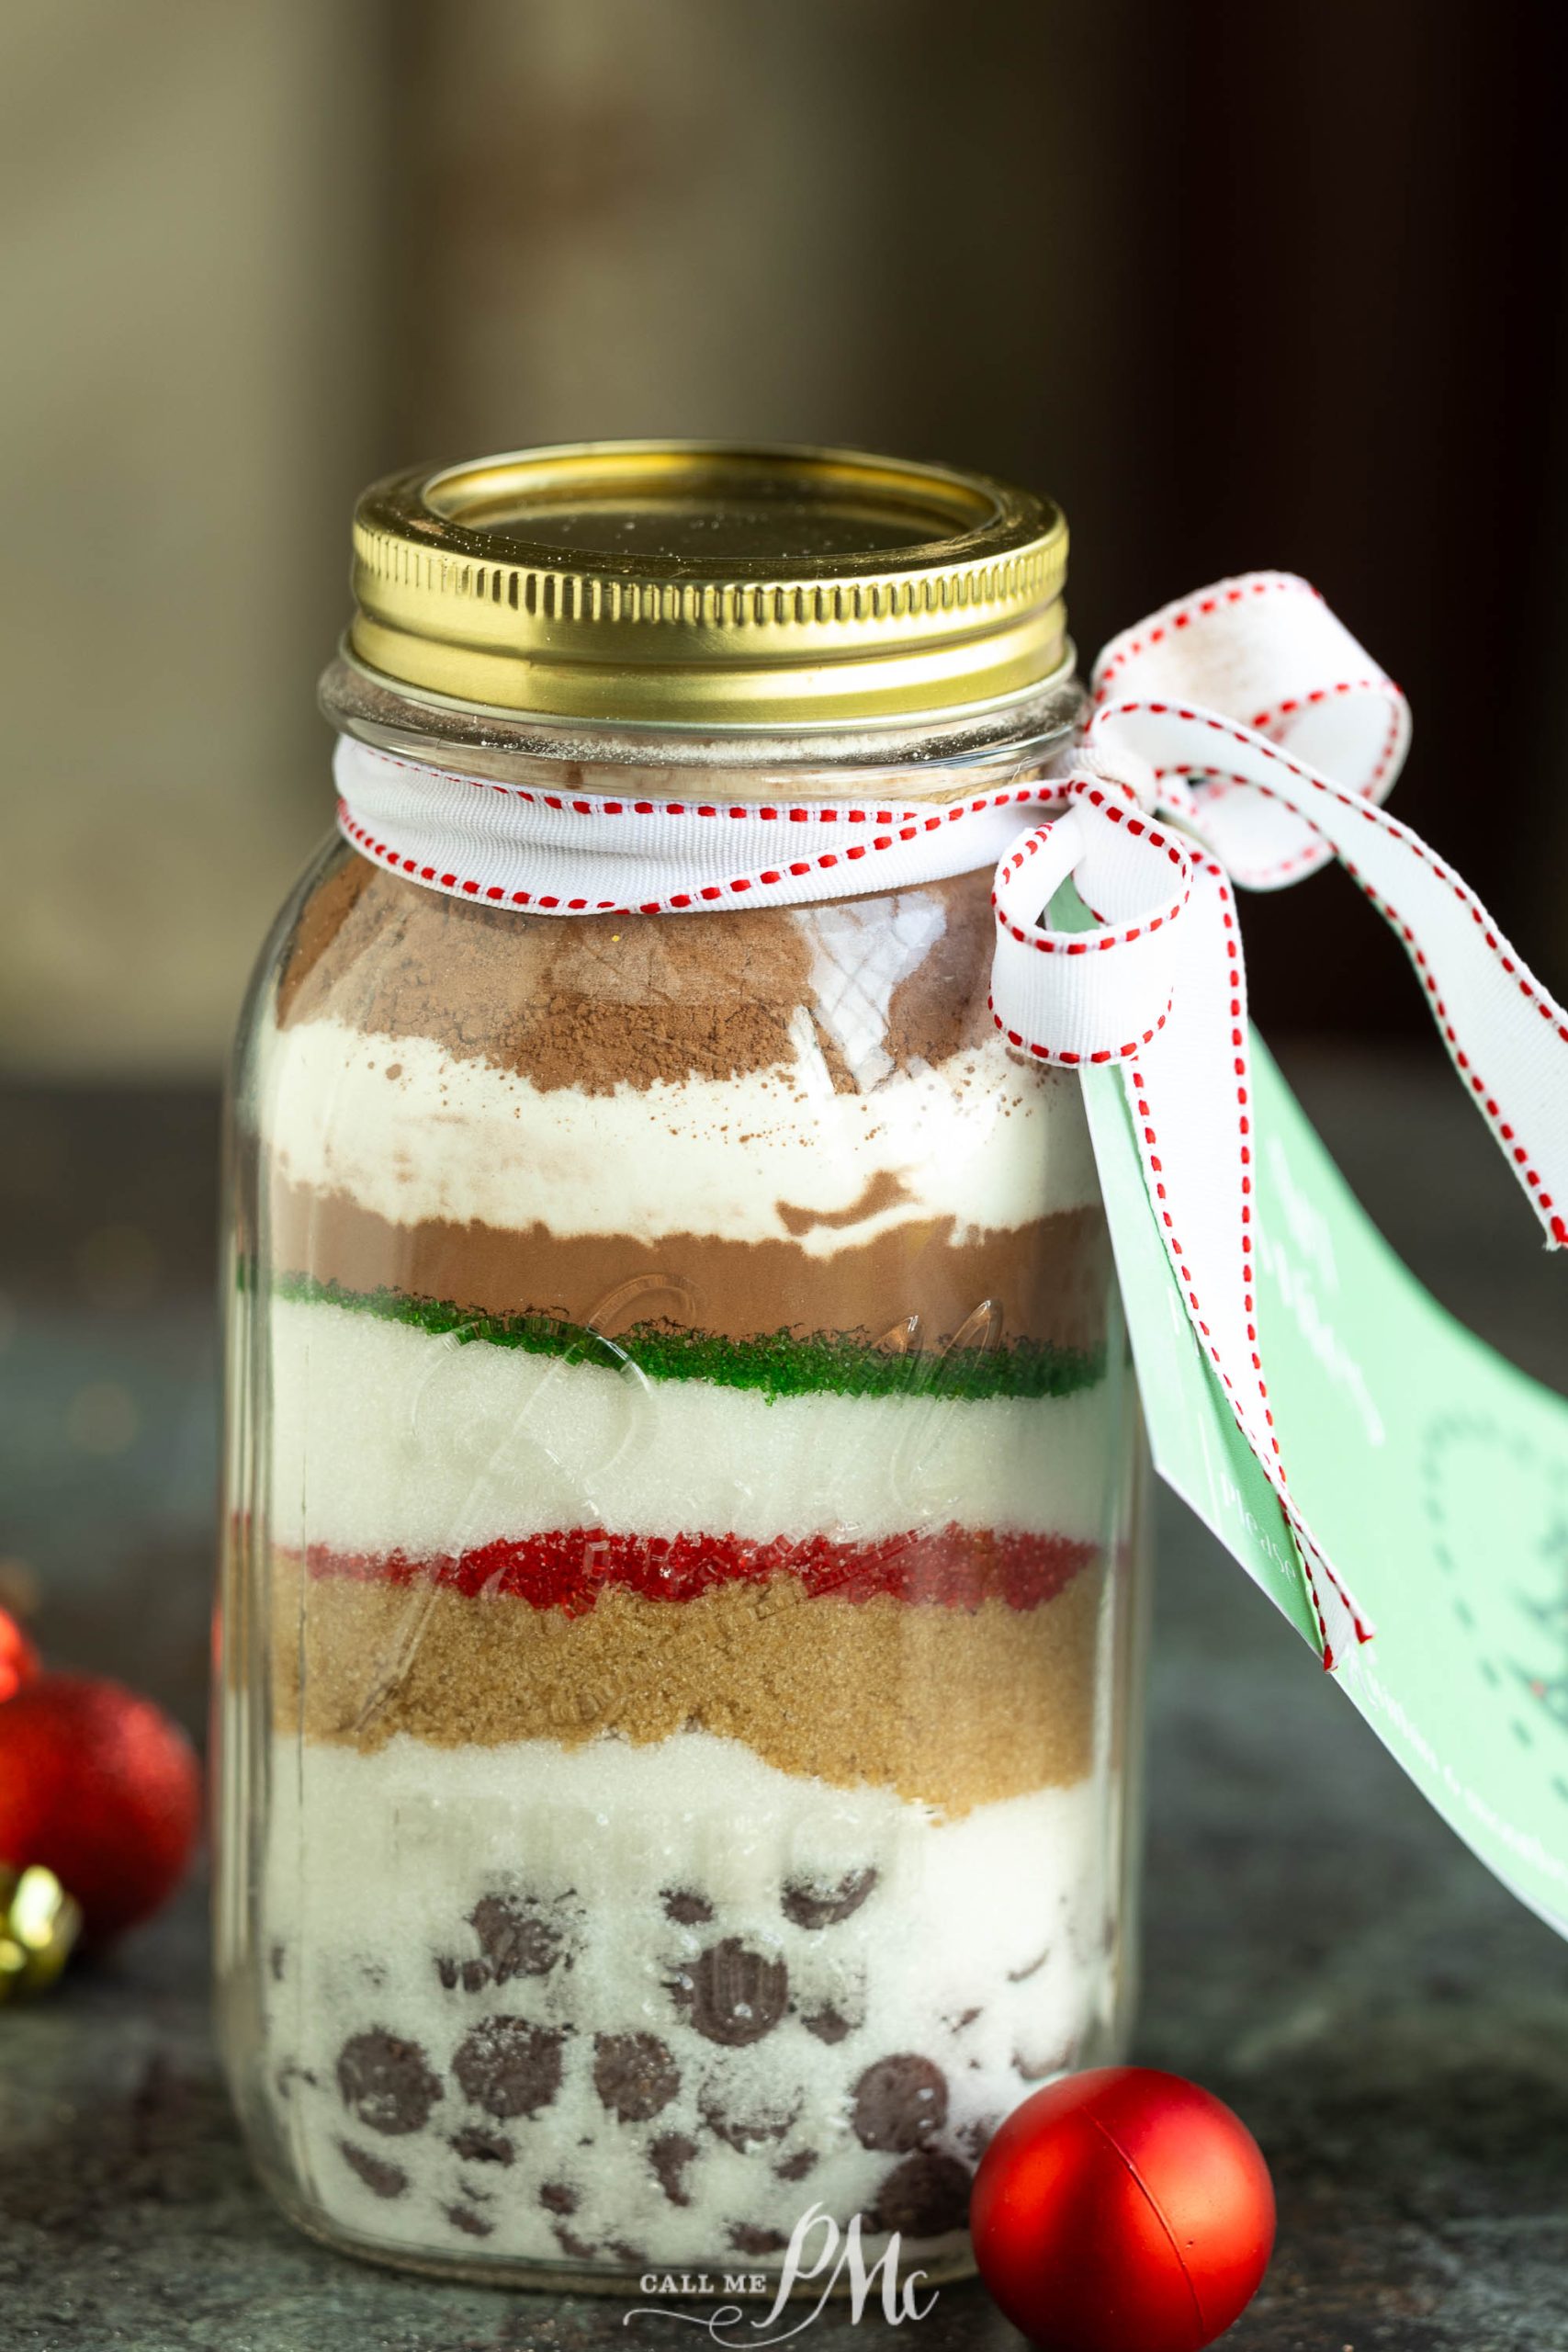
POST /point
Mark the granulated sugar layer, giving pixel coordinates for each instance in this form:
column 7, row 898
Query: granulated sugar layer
column 388, row 1439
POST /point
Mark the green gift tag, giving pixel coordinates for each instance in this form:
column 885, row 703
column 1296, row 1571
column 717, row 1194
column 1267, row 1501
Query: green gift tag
column 1433, row 1473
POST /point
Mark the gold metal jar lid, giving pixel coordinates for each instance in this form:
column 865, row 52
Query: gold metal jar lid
column 707, row 585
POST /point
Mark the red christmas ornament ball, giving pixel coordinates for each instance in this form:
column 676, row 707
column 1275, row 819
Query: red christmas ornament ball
column 1122, row 2211
column 99, row 1787
column 18, row 1659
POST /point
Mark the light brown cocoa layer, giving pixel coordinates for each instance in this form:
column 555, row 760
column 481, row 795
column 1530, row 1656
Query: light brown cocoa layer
column 600, row 1000
column 1048, row 1282
column 953, row 1708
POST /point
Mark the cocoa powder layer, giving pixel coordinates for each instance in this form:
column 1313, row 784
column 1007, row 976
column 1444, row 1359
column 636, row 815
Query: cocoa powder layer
column 913, row 1288
column 951, row 1708
column 600, row 1000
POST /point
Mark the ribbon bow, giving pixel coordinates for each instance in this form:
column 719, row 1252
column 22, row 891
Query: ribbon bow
column 1250, row 719
column 1240, row 737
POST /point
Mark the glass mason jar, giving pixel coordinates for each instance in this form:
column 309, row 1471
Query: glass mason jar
column 681, row 1612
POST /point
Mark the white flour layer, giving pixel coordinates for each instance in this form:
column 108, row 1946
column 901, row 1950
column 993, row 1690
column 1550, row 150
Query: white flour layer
column 412, row 1132
column 387, row 1438
column 980, row 1949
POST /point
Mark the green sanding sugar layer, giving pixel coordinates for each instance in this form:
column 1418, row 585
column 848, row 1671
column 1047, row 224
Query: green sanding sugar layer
column 779, row 1363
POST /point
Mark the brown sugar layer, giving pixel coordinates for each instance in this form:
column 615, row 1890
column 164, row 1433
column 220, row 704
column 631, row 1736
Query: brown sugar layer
column 912, row 1289
column 594, row 1002
column 949, row 1708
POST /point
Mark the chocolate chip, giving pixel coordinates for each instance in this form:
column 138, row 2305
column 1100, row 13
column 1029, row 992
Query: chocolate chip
column 735, row 1996
column 957, row 2024
column 1030, row 1967
column 633, row 2074
column 477, row 2147
column 510, row 2067
column 570, row 2242
column 828, row 2025
column 925, row 2197
column 632, row 2256
column 900, row 2103
column 380, row 2178
column 556, row 2198
column 473, row 2225
column 515, row 1937
column 669, row 2154
column 746, row 2238
column 278, row 1958
column 977, row 2136
column 745, row 2130
column 822, row 1902
column 795, row 2168
column 687, row 1909
column 386, row 2081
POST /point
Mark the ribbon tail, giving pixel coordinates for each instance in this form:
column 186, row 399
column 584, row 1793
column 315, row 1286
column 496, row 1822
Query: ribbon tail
column 1505, row 1034
column 1157, row 988
column 1189, row 1091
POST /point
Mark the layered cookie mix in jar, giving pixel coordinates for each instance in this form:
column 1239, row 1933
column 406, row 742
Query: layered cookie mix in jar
column 681, row 1611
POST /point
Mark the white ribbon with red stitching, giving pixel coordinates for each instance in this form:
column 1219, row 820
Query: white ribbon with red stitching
column 1249, row 720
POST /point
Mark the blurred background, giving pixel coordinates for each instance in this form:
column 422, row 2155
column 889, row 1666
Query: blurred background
column 1240, row 286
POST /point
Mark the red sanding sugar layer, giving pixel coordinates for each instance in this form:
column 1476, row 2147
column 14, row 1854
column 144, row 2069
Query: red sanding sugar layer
column 949, row 1568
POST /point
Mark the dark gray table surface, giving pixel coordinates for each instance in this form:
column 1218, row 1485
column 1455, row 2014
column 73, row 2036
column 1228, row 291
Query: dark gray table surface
column 1318, row 1949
